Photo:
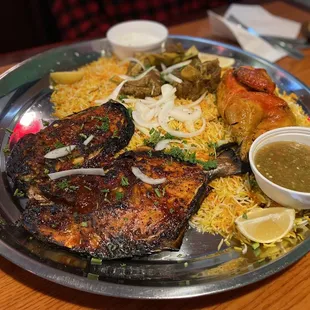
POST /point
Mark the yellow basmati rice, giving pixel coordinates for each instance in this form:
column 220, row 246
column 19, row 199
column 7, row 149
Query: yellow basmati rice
column 231, row 196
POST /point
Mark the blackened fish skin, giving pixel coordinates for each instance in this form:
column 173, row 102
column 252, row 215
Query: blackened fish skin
column 118, row 215
column 110, row 124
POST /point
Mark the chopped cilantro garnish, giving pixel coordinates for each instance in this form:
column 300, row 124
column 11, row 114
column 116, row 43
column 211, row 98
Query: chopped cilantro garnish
column 191, row 158
column 150, row 153
column 105, row 190
column 45, row 123
column 177, row 153
column 207, row 165
column 63, row 184
column 212, row 145
column 92, row 276
column 46, row 171
column 125, row 219
column 84, row 224
column 18, row 193
column 129, row 112
column 124, row 181
column 169, row 136
column 253, row 183
column 157, row 192
column 187, row 156
column 257, row 252
column 6, row 150
column 119, row 195
column 58, row 145
column 115, row 134
column 10, row 131
column 95, row 261
column 105, row 125
column 155, row 137
column 88, row 188
column 171, row 210
column 244, row 215
column 73, row 187
column 122, row 97
column 255, row 245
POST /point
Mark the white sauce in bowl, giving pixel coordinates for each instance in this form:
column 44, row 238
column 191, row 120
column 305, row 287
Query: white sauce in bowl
column 137, row 39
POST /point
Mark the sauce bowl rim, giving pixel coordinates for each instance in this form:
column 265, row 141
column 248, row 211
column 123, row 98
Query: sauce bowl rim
column 161, row 39
column 270, row 134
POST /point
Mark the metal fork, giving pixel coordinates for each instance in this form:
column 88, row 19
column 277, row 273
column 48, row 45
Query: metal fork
column 293, row 52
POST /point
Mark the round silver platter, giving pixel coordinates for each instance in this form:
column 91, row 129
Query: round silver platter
column 197, row 269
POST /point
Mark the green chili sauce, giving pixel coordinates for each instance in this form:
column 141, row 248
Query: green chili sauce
column 286, row 164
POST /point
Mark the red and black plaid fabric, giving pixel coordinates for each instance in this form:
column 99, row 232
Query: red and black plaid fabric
column 91, row 18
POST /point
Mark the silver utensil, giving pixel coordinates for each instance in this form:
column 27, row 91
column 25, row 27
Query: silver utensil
column 293, row 52
column 296, row 43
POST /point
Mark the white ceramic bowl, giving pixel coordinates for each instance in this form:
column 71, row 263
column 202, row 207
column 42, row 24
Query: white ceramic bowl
column 282, row 195
column 136, row 36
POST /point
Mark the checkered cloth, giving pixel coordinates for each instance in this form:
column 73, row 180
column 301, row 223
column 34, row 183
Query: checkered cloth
column 92, row 18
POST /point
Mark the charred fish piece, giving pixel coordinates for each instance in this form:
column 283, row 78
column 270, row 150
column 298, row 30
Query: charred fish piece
column 87, row 138
column 119, row 215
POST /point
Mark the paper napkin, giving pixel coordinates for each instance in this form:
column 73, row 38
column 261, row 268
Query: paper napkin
column 262, row 21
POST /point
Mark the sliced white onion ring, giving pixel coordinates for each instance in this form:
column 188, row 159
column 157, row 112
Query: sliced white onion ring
column 174, row 78
column 114, row 94
column 144, row 178
column 161, row 145
column 87, row 141
column 176, row 66
column 138, row 77
column 189, row 125
column 139, row 120
column 61, row 152
column 163, row 66
column 130, row 100
column 180, row 134
column 179, row 114
column 132, row 59
column 116, row 91
column 83, row 171
column 191, row 105
column 143, row 130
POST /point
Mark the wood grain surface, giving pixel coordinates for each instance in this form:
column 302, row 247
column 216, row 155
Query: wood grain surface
column 287, row 290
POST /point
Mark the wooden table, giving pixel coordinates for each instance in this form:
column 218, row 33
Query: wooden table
column 290, row 289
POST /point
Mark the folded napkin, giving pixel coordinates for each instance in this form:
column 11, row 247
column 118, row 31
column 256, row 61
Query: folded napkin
column 261, row 21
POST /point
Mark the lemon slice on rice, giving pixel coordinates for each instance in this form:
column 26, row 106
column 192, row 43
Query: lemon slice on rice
column 266, row 225
column 225, row 62
column 66, row 77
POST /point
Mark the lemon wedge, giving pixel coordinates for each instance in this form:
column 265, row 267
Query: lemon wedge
column 66, row 77
column 225, row 62
column 266, row 225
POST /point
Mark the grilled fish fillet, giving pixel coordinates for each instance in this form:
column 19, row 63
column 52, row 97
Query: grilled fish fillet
column 110, row 125
column 118, row 215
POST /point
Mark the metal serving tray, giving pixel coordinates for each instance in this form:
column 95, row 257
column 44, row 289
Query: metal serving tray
column 197, row 269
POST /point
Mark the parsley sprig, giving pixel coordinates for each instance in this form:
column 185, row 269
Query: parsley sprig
column 190, row 157
column 156, row 136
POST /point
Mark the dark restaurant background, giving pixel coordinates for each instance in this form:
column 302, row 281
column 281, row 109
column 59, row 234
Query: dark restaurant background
column 27, row 24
